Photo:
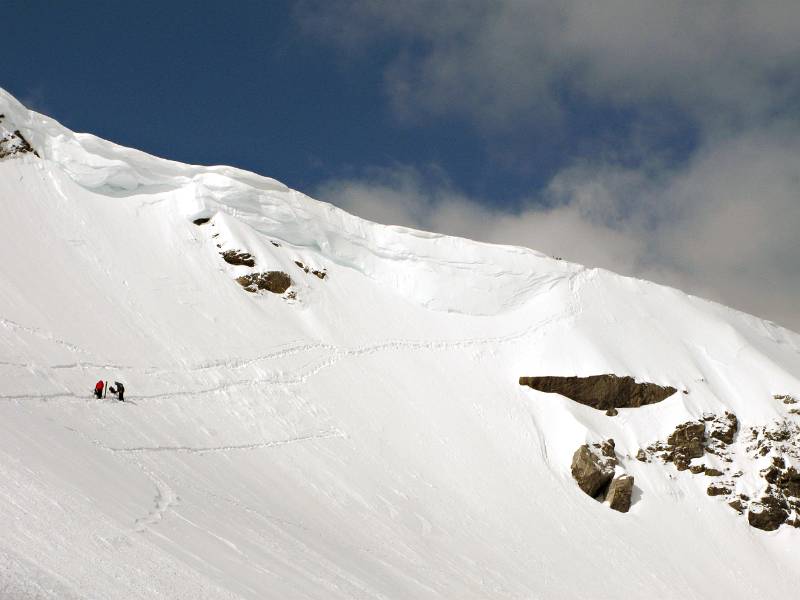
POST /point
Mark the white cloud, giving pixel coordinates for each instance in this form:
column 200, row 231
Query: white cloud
column 499, row 63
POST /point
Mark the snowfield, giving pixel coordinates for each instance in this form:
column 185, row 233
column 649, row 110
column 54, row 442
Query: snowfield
column 362, row 435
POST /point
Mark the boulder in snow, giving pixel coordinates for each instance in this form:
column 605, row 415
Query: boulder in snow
column 619, row 493
column 592, row 470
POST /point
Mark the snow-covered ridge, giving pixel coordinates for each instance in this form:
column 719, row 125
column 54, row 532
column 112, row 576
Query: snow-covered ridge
column 272, row 209
column 365, row 436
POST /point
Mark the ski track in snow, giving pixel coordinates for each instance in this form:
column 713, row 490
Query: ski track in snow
column 14, row 326
column 165, row 498
column 333, row 433
column 336, row 355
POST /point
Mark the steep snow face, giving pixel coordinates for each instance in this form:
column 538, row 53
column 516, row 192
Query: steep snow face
column 361, row 435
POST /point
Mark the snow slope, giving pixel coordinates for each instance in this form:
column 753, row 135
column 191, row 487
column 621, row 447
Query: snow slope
column 366, row 438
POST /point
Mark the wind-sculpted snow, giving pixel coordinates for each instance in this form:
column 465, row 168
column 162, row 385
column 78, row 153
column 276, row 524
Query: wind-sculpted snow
column 364, row 436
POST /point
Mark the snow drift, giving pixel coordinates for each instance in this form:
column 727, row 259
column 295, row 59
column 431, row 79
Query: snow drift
column 357, row 435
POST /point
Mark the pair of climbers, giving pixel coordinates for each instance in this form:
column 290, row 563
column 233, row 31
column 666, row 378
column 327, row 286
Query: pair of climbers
column 119, row 390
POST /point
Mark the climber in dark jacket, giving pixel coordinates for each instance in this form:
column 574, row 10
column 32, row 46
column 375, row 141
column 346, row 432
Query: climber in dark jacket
column 119, row 391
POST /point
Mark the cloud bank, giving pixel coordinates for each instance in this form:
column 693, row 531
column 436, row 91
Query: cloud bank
column 722, row 222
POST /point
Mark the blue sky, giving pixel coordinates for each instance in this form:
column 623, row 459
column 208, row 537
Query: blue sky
column 658, row 138
column 248, row 85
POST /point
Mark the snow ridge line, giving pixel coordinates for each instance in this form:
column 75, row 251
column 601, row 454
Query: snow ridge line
column 333, row 433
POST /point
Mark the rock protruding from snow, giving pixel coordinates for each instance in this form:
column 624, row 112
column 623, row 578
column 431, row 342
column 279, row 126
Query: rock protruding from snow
column 619, row 493
column 238, row 257
column 686, row 443
column 316, row 272
column 603, row 392
column 593, row 469
column 276, row 282
column 782, row 496
column 785, row 398
column 723, row 428
column 779, row 490
column 12, row 142
column 769, row 513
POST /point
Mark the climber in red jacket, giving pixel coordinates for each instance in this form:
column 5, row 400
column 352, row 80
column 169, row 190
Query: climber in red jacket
column 98, row 389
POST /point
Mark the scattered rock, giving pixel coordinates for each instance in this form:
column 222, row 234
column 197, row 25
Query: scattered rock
column 724, row 428
column 237, row 257
column 201, row 221
column 619, row 493
column 697, row 469
column 612, row 412
column 276, row 282
column 737, row 506
column 602, row 392
column 274, row 243
column 717, row 489
column 786, row 398
column 592, row 471
column 321, row 274
column 769, row 513
column 607, row 448
column 711, row 472
column 686, row 443
column 641, row 455
column 788, row 482
column 779, row 434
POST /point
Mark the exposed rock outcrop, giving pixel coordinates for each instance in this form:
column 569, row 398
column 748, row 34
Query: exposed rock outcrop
column 13, row 143
column 276, row 282
column 237, row 257
column 779, row 498
column 603, row 392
